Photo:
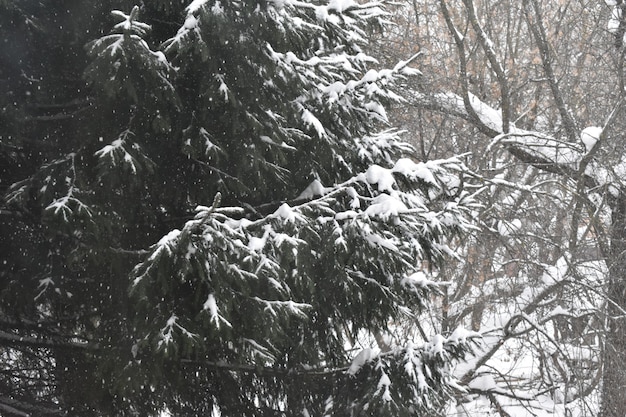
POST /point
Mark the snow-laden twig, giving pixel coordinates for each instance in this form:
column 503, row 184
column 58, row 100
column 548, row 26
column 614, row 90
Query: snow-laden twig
column 69, row 204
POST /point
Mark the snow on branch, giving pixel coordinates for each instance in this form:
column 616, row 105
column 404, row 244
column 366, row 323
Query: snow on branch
column 124, row 155
column 166, row 335
column 561, row 156
column 379, row 221
column 119, row 58
column 69, row 205
column 409, row 374
column 129, row 24
column 210, row 305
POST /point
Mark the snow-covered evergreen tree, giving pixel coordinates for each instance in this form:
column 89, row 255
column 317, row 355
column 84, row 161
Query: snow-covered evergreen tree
column 206, row 212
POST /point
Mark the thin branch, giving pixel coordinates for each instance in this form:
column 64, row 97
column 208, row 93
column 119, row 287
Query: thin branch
column 496, row 66
column 265, row 371
column 506, row 334
column 539, row 33
column 10, row 339
column 458, row 40
column 16, row 407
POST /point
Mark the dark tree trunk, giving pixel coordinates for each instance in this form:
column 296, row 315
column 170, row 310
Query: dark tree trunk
column 614, row 352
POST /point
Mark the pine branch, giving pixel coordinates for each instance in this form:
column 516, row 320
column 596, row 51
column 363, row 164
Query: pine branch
column 10, row 339
column 136, row 252
column 15, row 407
column 55, row 117
column 266, row 371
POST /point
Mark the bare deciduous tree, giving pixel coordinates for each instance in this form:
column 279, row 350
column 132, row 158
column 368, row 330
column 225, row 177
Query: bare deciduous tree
column 534, row 91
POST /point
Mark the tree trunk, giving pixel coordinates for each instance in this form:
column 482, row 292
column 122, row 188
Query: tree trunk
column 614, row 352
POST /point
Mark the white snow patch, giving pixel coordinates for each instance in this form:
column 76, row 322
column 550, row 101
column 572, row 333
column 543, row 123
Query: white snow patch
column 310, row 120
column 460, row 335
column 380, row 176
column 285, row 212
column 169, row 238
column 616, row 16
column 382, row 242
column 436, row 345
column 386, row 206
column 559, row 311
column 590, row 136
column 191, row 22
column 346, row 215
column 314, row 189
column 384, row 383
column 413, row 170
column 340, row 5
column 355, row 203
column 484, row 382
column 196, row 5
column 556, row 273
column 256, row 243
column 364, row 356
column 417, row 279
column 210, row 305
column 507, row 228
